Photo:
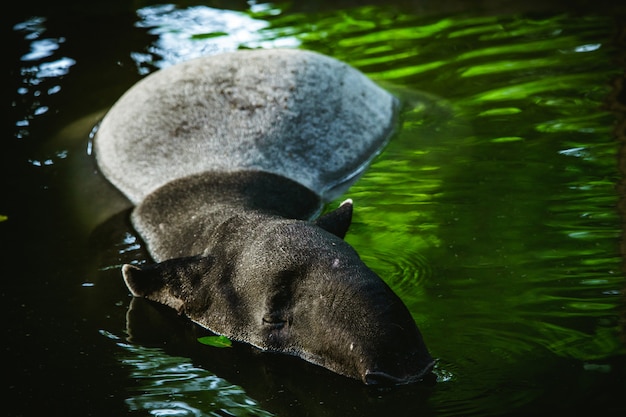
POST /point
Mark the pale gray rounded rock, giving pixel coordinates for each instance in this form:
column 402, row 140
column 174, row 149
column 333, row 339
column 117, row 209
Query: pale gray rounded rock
column 300, row 114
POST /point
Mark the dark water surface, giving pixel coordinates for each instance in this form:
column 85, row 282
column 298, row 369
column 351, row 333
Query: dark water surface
column 494, row 213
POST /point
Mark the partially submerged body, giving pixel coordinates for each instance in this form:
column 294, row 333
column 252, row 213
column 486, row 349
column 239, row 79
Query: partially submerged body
column 228, row 159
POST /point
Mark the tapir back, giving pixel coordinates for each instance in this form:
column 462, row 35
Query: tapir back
column 308, row 117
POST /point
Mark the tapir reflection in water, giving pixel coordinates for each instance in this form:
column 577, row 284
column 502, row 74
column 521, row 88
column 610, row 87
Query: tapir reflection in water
column 228, row 158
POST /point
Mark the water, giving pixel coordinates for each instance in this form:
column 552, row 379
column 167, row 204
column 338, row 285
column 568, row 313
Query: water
column 494, row 213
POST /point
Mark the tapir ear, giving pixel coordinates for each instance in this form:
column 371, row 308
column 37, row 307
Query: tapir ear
column 167, row 282
column 337, row 221
column 129, row 273
column 141, row 281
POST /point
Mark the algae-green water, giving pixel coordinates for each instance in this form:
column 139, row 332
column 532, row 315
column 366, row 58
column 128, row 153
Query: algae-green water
column 495, row 212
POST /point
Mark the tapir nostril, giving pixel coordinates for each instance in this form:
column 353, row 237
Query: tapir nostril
column 274, row 322
column 381, row 378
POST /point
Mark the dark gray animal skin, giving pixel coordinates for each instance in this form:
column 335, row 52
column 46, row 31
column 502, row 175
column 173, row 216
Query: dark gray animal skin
column 235, row 248
column 249, row 269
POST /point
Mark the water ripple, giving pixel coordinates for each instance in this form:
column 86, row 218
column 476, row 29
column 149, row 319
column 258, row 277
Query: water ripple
column 405, row 272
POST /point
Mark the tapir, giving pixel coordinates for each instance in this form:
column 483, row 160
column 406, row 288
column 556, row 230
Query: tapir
column 228, row 160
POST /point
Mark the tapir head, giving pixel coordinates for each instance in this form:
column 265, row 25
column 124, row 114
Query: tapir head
column 296, row 287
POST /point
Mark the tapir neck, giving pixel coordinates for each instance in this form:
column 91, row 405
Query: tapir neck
column 180, row 218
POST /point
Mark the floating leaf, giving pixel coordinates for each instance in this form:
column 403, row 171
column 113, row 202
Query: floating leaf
column 3, row 218
column 208, row 35
column 216, row 341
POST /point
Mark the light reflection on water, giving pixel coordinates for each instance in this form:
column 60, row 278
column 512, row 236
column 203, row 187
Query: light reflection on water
column 37, row 78
column 166, row 385
column 492, row 213
column 186, row 33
